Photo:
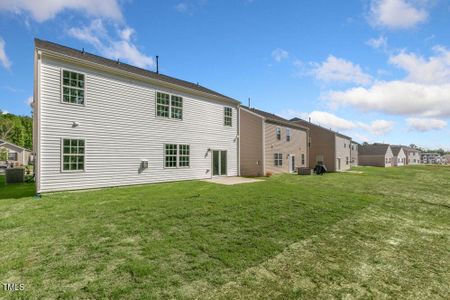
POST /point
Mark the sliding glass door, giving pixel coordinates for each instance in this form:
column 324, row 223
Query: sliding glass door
column 219, row 164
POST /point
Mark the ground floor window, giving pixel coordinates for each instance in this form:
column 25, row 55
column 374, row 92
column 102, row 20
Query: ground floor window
column 303, row 159
column 278, row 159
column 73, row 155
column 12, row 156
column 176, row 156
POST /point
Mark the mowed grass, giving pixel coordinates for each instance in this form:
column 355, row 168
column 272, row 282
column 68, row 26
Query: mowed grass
column 382, row 233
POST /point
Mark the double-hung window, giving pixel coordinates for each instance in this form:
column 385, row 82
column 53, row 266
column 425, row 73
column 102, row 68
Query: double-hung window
column 278, row 133
column 303, row 159
column 73, row 87
column 12, row 155
column 169, row 106
column 278, row 159
column 176, row 156
column 228, row 116
column 73, row 155
column 288, row 134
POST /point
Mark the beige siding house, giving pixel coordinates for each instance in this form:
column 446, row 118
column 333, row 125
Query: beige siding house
column 412, row 155
column 15, row 155
column 270, row 144
column 377, row 155
column 354, row 154
column 399, row 158
column 327, row 147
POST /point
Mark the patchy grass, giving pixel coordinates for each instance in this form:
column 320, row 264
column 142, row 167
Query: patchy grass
column 382, row 233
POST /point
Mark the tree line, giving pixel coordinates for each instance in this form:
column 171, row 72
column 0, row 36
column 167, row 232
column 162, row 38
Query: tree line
column 16, row 129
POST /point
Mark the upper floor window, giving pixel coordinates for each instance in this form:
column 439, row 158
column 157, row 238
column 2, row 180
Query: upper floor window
column 346, row 160
column 169, row 106
column 228, row 116
column 73, row 155
column 278, row 159
column 73, row 87
column 288, row 134
column 345, row 145
column 278, row 133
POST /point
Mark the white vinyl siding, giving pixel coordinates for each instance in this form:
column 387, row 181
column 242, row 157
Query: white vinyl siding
column 121, row 126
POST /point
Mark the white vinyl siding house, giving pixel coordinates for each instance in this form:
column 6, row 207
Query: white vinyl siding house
column 103, row 139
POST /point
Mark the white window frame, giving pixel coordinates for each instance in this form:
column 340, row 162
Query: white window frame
column 170, row 106
column 225, row 116
column 288, row 135
column 278, row 159
column 61, row 78
column 62, row 155
column 278, row 136
column 177, row 156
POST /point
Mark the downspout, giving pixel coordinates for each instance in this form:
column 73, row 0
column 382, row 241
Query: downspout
column 238, row 140
column 37, row 122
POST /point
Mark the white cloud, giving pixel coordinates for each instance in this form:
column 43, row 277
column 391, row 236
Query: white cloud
column 338, row 69
column 378, row 43
column 279, row 54
column 97, row 35
column 397, row 14
column 29, row 100
column 378, row 127
column 182, row 7
column 434, row 70
column 329, row 120
column 396, row 97
column 425, row 124
column 44, row 10
column 3, row 57
column 4, row 112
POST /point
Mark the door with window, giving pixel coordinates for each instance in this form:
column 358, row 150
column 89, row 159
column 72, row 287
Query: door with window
column 219, row 163
column 292, row 163
column 338, row 164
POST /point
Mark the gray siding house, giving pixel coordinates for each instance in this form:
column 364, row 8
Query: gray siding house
column 399, row 158
column 331, row 148
column 354, row 154
column 101, row 123
column 377, row 155
column 270, row 144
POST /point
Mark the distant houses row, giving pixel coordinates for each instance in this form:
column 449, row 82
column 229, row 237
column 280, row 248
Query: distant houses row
column 100, row 122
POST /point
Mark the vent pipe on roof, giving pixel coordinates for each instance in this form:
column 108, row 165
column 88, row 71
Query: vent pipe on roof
column 309, row 119
column 249, row 102
column 157, row 64
column 82, row 51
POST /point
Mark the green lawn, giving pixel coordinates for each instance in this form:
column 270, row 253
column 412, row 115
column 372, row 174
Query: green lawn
column 382, row 233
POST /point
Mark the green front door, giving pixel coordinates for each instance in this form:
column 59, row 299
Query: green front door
column 219, row 163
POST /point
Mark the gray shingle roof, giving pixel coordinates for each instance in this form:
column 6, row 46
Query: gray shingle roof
column 54, row 47
column 396, row 149
column 274, row 118
column 374, row 149
column 308, row 124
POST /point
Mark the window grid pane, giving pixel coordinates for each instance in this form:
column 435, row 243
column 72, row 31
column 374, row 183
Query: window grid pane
column 184, row 155
column 171, row 155
column 73, row 87
column 73, row 155
column 228, row 116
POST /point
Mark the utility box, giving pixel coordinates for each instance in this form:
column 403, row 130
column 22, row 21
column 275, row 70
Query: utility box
column 15, row 175
column 304, row 171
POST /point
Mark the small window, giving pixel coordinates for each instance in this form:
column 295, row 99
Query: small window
column 228, row 116
column 353, row 148
column 176, row 156
column 303, row 159
column 288, row 134
column 73, row 155
column 278, row 133
column 169, row 106
column 12, row 156
column 345, row 145
column 278, row 159
column 346, row 160
column 73, row 87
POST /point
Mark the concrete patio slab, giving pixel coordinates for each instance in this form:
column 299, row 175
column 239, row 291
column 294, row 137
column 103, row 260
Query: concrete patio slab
column 232, row 180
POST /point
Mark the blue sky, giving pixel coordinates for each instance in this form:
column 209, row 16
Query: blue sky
column 378, row 70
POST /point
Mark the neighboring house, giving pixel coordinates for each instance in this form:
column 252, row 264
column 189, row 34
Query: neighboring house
column 16, row 155
column 377, row 155
column 100, row 123
column 399, row 158
column 354, row 154
column 412, row 155
column 327, row 147
column 447, row 158
column 270, row 144
column 431, row 158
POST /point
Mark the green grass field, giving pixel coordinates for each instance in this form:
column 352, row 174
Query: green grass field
column 382, row 233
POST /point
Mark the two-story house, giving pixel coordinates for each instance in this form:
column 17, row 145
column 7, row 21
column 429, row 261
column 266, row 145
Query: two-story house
column 327, row 147
column 270, row 144
column 100, row 123
column 377, row 155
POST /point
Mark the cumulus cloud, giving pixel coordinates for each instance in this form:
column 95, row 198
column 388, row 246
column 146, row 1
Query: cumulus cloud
column 44, row 10
column 3, row 57
column 340, row 70
column 432, row 70
column 425, row 124
column 279, row 54
column 380, row 43
column 98, row 36
column 330, row 120
column 397, row 14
